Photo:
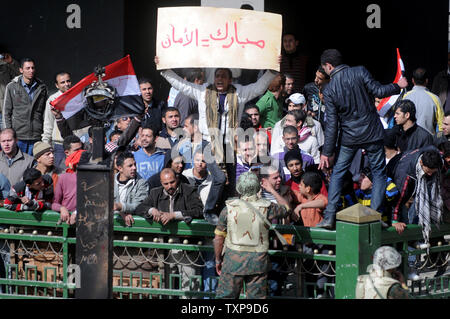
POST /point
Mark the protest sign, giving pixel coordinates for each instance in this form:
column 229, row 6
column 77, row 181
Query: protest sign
column 218, row 37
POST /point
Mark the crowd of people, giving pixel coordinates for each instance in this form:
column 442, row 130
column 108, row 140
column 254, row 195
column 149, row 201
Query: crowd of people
column 315, row 146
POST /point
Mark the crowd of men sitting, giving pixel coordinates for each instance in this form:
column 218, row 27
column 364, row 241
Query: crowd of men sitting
column 173, row 169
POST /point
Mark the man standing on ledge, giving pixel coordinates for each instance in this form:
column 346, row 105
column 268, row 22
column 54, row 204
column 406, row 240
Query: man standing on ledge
column 351, row 114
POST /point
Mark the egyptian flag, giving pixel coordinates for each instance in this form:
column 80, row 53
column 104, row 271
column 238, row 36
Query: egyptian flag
column 387, row 103
column 121, row 76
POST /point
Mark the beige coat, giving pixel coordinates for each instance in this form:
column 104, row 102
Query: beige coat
column 51, row 130
column 20, row 163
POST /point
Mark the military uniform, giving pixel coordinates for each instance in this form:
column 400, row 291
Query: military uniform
column 377, row 286
column 379, row 283
column 246, row 246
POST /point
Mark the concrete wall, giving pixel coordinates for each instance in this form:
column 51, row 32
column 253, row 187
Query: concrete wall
column 111, row 29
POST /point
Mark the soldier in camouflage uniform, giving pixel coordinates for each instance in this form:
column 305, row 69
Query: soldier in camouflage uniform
column 245, row 235
column 383, row 280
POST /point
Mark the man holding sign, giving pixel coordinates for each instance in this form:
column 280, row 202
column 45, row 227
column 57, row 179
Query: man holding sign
column 220, row 104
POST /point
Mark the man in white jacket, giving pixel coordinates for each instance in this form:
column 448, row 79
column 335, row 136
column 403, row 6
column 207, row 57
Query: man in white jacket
column 296, row 102
column 306, row 141
column 129, row 189
column 51, row 134
column 220, row 104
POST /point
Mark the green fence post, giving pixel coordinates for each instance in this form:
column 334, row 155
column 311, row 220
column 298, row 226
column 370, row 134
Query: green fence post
column 358, row 235
column 65, row 259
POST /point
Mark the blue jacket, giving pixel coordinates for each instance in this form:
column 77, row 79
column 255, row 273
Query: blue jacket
column 149, row 165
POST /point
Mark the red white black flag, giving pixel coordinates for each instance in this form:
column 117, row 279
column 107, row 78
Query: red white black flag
column 121, row 76
column 388, row 102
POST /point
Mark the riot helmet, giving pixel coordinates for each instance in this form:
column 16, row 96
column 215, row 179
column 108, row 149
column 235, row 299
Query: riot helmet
column 100, row 97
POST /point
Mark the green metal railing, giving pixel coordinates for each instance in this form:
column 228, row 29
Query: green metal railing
column 30, row 237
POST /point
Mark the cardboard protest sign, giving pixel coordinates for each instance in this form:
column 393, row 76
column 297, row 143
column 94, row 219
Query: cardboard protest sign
column 218, row 37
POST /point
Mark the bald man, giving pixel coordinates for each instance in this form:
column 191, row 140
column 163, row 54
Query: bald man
column 171, row 201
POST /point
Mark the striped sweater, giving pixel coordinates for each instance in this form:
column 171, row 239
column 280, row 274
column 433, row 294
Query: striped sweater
column 39, row 201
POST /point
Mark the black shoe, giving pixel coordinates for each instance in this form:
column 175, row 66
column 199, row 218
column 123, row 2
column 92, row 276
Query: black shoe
column 441, row 270
column 327, row 223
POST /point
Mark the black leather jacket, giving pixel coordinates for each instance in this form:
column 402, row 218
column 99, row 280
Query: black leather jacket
column 350, row 108
column 186, row 200
column 414, row 137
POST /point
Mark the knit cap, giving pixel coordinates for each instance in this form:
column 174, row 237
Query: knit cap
column 40, row 148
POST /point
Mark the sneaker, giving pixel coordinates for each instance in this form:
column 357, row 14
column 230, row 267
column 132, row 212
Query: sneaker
column 384, row 225
column 327, row 223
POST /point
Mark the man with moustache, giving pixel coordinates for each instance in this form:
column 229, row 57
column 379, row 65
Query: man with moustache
column 220, row 104
column 153, row 107
column 444, row 135
column 171, row 120
column 174, row 201
column 51, row 134
column 294, row 61
column 288, row 90
column 149, row 159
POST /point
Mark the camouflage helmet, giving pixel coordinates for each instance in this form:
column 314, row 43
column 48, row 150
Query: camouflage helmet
column 248, row 184
column 387, row 258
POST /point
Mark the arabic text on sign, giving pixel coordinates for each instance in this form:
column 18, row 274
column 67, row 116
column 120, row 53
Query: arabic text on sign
column 192, row 37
